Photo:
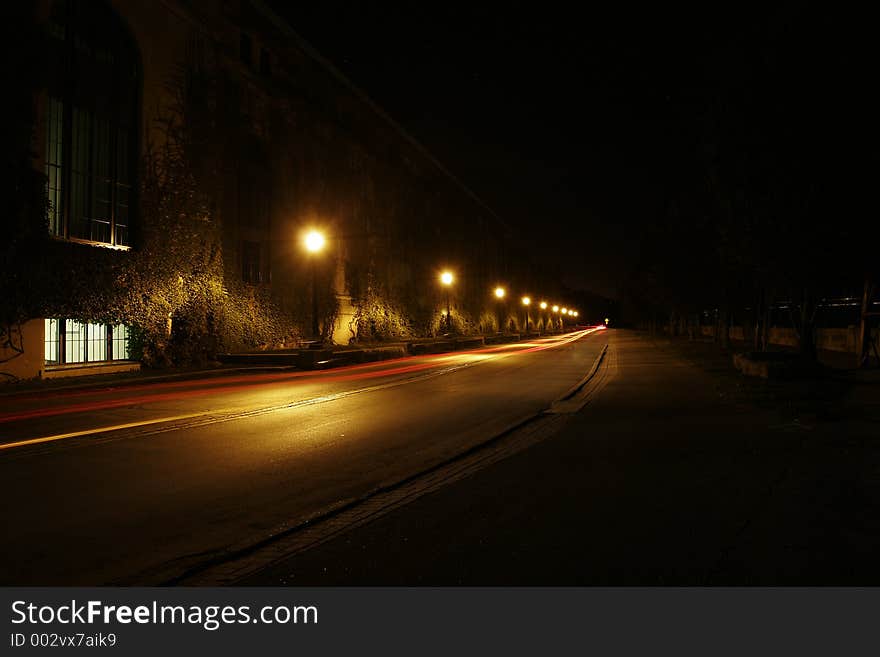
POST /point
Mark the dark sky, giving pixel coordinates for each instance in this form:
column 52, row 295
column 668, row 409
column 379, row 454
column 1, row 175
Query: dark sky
column 571, row 125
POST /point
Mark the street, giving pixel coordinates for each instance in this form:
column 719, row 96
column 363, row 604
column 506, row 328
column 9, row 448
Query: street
column 662, row 479
column 139, row 483
column 596, row 457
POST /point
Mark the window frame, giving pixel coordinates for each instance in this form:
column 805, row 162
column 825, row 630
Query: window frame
column 58, row 342
column 118, row 122
column 252, row 262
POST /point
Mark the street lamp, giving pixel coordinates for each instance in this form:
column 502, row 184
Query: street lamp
column 314, row 242
column 446, row 278
column 499, row 295
column 526, row 301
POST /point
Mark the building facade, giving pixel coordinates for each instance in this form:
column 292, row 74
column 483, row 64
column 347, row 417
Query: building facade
column 186, row 146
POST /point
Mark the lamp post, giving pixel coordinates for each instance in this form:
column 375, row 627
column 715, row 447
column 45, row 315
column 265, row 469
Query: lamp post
column 314, row 242
column 447, row 278
column 555, row 312
column 543, row 306
column 499, row 294
column 526, row 301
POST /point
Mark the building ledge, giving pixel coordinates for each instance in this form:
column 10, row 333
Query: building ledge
column 90, row 369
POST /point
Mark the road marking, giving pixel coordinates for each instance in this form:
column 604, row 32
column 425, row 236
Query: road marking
column 88, row 432
column 228, row 414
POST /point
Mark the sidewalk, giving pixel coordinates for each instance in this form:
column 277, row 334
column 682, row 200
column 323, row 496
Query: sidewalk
column 840, row 390
column 662, row 479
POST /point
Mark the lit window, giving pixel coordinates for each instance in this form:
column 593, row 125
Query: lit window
column 74, row 342
column 119, row 342
column 70, row 342
column 96, row 342
column 51, row 341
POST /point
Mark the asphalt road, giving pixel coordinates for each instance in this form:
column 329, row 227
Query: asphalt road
column 139, row 483
column 662, row 479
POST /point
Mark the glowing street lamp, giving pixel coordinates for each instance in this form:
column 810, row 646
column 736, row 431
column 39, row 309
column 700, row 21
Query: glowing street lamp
column 314, row 242
column 543, row 305
column 446, row 278
column 525, row 302
column 500, row 292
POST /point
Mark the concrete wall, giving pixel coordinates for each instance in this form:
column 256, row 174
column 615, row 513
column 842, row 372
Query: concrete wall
column 830, row 339
column 21, row 351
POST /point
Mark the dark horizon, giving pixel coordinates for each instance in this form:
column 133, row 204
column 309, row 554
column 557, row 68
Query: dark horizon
column 586, row 133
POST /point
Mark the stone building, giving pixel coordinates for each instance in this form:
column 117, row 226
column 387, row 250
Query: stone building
column 277, row 141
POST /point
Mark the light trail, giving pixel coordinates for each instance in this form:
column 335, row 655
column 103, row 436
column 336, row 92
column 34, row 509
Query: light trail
column 348, row 373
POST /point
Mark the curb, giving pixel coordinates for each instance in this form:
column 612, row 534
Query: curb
column 580, row 384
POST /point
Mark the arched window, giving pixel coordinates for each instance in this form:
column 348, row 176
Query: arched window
column 91, row 124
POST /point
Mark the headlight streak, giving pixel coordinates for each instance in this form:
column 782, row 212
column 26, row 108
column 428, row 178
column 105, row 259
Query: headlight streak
column 440, row 364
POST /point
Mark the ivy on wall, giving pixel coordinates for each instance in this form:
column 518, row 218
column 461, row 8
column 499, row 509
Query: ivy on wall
column 181, row 297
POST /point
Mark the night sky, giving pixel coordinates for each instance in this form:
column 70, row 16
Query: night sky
column 574, row 127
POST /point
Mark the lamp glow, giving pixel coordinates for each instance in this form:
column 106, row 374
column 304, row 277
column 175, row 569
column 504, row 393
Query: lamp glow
column 526, row 301
column 499, row 292
column 314, row 241
column 556, row 309
column 446, row 278
column 543, row 305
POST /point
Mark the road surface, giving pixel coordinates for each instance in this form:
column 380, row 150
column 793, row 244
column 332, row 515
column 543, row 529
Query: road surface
column 141, row 483
column 664, row 478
